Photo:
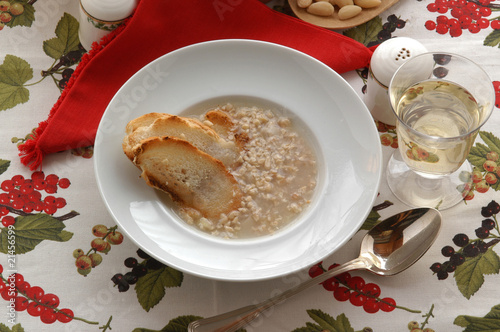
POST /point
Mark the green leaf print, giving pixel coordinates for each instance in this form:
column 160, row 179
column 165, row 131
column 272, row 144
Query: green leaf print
column 27, row 16
column 470, row 275
column 150, row 289
column 493, row 39
column 372, row 219
column 178, row 324
column 67, row 38
column 367, row 32
column 31, row 230
column 490, row 322
column 15, row 328
column 326, row 322
column 14, row 73
column 492, row 141
column 4, row 165
column 485, row 158
column 477, row 155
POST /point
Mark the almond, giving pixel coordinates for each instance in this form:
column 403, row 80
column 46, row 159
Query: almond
column 341, row 3
column 304, row 3
column 367, row 3
column 349, row 11
column 322, row 8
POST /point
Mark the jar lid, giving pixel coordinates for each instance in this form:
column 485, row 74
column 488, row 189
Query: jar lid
column 109, row 10
column 391, row 54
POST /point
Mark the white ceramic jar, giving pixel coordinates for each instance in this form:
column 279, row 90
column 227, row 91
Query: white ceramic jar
column 100, row 17
column 386, row 59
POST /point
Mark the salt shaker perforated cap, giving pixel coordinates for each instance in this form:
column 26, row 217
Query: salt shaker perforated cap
column 386, row 59
column 391, row 54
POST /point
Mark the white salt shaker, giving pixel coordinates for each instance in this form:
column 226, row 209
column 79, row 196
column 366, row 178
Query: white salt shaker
column 386, row 59
column 100, row 17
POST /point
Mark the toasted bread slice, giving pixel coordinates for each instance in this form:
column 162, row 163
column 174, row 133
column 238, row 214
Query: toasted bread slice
column 199, row 135
column 191, row 177
column 142, row 121
column 223, row 124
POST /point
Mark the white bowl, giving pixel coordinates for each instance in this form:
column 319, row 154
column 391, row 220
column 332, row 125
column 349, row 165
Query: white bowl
column 345, row 136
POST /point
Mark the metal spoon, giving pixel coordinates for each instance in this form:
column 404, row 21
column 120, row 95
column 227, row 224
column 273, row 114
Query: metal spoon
column 390, row 247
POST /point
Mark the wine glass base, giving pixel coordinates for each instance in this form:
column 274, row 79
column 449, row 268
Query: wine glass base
column 416, row 190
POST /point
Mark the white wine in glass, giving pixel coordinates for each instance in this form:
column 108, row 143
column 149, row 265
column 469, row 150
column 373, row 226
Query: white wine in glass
column 441, row 100
column 437, row 109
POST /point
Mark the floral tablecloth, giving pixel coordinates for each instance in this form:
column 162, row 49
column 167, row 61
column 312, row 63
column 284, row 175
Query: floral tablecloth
column 65, row 266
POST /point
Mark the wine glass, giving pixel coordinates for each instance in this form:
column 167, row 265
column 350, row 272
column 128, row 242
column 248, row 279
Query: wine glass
column 441, row 100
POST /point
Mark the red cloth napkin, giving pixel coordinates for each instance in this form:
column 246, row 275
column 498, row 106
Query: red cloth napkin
column 156, row 28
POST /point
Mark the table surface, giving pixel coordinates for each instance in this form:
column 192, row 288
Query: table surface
column 166, row 299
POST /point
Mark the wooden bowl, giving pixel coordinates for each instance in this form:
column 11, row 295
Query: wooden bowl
column 333, row 22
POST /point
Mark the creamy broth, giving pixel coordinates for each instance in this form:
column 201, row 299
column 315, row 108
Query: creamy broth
column 277, row 171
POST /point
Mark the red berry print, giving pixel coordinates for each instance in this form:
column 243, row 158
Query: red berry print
column 496, row 84
column 315, row 270
column 34, row 300
column 52, row 179
column 23, row 288
column 60, row 202
column 483, row 23
column 371, row 306
column 330, row 284
column 8, row 294
column 35, row 293
column 341, row 294
column 35, row 309
column 18, row 279
column 357, row 299
column 7, row 185
column 49, row 316
column 442, row 29
column 345, row 288
column 38, row 175
column 432, row 7
column 65, row 315
column 372, row 290
column 8, row 221
column 21, row 303
column 64, row 183
column 50, row 300
column 387, row 304
column 24, row 195
column 430, row 25
column 457, row 32
column 356, row 283
column 472, row 16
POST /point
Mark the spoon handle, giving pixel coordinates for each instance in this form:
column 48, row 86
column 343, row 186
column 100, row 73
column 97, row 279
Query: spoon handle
column 236, row 319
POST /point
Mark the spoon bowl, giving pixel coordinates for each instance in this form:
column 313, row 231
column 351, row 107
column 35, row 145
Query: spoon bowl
column 396, row 243
column 390, row 247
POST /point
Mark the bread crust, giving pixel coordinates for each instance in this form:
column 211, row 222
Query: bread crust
column 191, row 130
column 224, row 126
column 190, row 176
column 142, row 121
